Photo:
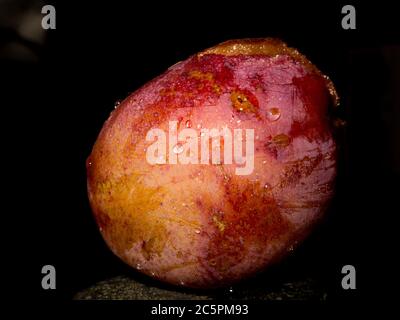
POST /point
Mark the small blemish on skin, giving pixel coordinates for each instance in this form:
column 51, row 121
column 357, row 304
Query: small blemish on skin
column 281, row 140
column 196, row 74
column 241, row 102
column 219, row 223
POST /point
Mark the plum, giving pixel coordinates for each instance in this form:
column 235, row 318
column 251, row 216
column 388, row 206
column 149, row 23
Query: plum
column 202, row 223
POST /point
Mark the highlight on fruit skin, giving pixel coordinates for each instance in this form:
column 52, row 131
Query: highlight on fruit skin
column 202, row 225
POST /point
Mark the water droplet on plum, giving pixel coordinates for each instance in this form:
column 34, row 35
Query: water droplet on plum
column 273, row 114
column 116, row 104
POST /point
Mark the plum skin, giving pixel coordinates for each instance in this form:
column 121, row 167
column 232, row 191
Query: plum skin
column 202, row 226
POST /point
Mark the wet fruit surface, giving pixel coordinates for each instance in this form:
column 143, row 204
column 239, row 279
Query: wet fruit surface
column 199, row 223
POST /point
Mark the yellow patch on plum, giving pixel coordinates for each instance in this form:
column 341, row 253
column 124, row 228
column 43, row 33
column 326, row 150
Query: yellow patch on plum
column 129, row 208
column 241, row 102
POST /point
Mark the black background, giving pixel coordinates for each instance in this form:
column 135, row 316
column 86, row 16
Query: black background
column 56, row 104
